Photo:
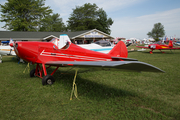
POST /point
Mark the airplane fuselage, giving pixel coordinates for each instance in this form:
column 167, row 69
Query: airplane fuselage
column 7, row 50
column 157, row 46
column 41, row 52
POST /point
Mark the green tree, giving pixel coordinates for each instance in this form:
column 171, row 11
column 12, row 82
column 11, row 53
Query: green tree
column 89, row 16
column 23, row 15
column 52, row 23
column 104, row 23
column 157, row 32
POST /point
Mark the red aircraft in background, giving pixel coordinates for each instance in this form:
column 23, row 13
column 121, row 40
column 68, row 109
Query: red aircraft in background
column 160, row 46
column 62, row 53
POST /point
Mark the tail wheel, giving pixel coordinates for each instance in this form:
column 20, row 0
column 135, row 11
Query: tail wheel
column 48, row 80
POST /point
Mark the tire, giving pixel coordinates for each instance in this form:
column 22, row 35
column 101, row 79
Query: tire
column 48, row 80
column 32, row 73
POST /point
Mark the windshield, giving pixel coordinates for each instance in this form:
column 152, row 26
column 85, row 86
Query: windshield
column 54, row 41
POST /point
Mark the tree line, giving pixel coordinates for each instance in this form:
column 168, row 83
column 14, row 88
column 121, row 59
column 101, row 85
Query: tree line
column 33, row 15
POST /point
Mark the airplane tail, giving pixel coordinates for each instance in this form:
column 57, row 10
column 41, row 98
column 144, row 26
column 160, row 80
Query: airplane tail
column 170, row 44
column 119, row 50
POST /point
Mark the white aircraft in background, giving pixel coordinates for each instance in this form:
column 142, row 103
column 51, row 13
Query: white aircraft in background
column 7, row 50
column 99, row 46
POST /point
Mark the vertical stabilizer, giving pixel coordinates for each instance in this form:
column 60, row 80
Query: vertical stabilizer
column 64, row 39
column 119, row 50
column 170, row 44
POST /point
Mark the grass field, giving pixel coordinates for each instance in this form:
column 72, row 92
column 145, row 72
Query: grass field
column 103, row 95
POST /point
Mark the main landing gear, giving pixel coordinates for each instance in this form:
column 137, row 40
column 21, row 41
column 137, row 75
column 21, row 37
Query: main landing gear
column 162, row 51
column 151, row 52
column 47, row 79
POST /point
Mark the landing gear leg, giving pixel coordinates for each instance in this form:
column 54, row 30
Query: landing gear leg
column 150, row 52
column 47, row 79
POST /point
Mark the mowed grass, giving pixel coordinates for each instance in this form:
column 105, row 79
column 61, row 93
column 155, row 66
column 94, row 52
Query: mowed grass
column 102, row 95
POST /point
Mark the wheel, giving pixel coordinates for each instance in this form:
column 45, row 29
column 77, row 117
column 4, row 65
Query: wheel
column 48, row 80
column 32, row 73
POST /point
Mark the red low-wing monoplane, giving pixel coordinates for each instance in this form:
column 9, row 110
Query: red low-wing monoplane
column 61, row 52
column 160, row 46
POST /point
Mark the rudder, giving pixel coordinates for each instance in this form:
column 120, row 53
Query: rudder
column 170, row 44
column 119, row 50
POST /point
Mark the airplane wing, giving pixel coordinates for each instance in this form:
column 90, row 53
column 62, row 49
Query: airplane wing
column 170, row 49
column 106, row 65
column 142, row 47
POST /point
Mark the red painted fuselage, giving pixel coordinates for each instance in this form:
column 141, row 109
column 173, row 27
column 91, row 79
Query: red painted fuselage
column 42, row 52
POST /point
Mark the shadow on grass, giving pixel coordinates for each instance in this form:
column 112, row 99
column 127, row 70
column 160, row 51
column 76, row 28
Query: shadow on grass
column 91, row 89
column 99, row 92
column 86, row 87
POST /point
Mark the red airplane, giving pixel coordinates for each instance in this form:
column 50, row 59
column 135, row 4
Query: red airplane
column 159, row 46
column 62, row 53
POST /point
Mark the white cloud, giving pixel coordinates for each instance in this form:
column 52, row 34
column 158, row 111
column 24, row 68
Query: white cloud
column 64, row 8
column 140, row 26
column 105, row 4
column 123, row 26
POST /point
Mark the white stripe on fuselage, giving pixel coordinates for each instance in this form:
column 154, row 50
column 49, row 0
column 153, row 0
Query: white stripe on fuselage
column 43, row 53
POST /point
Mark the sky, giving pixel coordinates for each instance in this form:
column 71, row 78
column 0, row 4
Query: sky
column 132, row 18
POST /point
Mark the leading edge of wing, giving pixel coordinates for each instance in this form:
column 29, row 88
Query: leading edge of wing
column 123, row 65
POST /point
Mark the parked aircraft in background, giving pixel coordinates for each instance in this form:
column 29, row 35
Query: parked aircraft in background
column 100, row 46
column 6, row 50
column 62, row 53
column 177, row 43
column 159, row 46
